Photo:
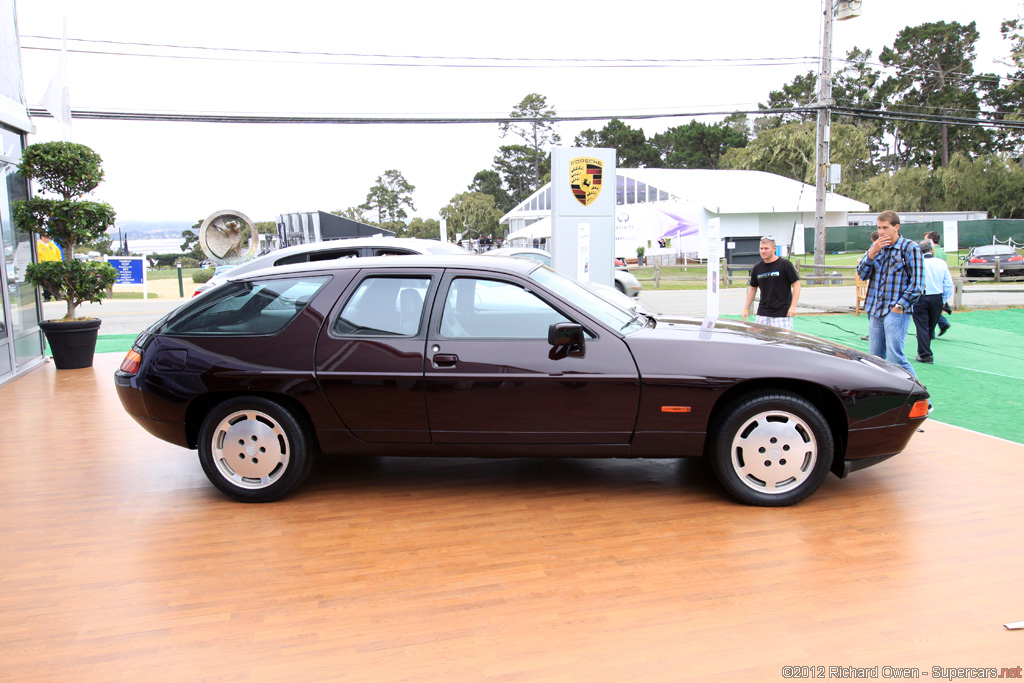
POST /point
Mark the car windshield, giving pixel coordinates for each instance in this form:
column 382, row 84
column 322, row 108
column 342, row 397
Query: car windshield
column 605, row 312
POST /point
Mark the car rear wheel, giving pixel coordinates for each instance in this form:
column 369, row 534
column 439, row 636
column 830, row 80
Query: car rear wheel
column 254, row 450
column 773, row 449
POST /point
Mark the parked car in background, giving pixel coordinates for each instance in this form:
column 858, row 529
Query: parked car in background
column 981, row 261
column 625, row 281
column 356, row 247
column 498, row 357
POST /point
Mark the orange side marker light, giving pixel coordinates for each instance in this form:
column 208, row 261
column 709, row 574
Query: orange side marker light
column 920, row 408
column 675, row 409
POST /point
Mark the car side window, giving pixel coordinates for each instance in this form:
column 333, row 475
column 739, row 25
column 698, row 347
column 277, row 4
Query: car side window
column 392, row 251
column 384, row 306
column 490, row 309
column 248, row 308
column 332, row 254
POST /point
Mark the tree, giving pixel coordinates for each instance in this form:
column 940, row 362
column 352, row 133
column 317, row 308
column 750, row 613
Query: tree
column 516, row 165
column 697, row 144
column 1005, row 97
column 790, row 151
column 388, row 196
column 535, row 129
column 429, row 229
column 856, row 86
column 68, row 170
column 908, row 189
column 354, row 213
column 632, row 150
column 934, row 74
column 471, row 213
column 489, row 182
column 190, row 247
column 802, row 91
column 992, row 183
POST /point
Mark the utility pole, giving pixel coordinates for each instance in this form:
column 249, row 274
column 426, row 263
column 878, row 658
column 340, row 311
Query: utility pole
column 842, row 9
column 821, row 157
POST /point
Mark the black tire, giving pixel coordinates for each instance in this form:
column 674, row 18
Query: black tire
column 255, row 450
column 789, row 439
column 619, row 286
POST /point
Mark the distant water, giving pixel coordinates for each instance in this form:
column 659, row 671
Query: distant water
column 155, row 246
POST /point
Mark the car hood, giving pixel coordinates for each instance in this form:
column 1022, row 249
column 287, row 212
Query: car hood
column 733, row 349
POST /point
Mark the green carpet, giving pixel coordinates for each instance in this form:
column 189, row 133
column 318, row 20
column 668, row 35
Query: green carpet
column 107, row 343
column 977, row 381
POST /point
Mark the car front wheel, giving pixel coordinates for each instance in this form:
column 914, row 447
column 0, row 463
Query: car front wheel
column 254, row 450
column 773, row 449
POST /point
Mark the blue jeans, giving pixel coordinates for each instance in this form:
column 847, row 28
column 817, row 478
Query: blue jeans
column 886, row 337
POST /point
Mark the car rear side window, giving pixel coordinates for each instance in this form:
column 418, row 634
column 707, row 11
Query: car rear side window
column 248, row 308
column 384, row 306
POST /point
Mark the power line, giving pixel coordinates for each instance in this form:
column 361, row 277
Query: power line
column 339, row 119
column 225, row 117
column 426, row 57
column 423, row 61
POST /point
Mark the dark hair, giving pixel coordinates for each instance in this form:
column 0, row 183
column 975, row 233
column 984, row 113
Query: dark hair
column 933, row 236
column 890, row 217
column 874, row 235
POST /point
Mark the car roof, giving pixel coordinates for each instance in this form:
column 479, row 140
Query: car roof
column 501, row 251
column 264, row 261
column 497, row 264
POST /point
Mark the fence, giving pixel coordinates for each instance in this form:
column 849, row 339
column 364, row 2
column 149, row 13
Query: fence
column 969, row 234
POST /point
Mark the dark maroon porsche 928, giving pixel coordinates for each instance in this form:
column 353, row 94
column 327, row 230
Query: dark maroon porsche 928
column 385, row 355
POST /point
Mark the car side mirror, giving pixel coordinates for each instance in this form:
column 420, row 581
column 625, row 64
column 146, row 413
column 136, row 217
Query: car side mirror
column 565, row 334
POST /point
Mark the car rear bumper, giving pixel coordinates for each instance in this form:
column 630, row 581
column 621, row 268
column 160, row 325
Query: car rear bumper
column 135, row 405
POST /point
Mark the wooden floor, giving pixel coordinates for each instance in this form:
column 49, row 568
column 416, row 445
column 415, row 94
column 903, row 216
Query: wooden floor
column 121, row 563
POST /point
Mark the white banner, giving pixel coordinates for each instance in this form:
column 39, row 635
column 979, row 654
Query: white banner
column 714, row 245
column 583, row 257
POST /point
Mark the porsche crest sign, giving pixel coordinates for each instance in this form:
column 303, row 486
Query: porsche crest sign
column 585, row 179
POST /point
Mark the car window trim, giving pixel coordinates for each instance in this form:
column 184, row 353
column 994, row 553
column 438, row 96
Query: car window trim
column 590, row 327
column 432, row 274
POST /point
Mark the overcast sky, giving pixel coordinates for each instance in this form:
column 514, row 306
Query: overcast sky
column 186, row 171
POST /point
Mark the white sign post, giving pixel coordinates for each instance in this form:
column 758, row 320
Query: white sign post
column 714, row 245
column 583, row 213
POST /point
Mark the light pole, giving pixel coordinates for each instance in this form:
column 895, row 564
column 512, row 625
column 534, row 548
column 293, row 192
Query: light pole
column 841, row 9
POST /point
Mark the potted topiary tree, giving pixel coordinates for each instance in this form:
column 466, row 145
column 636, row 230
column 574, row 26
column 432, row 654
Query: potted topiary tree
column 69, row 171
column 640, row 255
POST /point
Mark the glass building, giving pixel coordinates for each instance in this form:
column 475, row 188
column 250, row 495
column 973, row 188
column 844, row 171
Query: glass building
column 21, row 342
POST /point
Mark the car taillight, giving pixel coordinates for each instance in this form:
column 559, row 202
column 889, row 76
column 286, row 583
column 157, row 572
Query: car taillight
column 1018, row 257
column 977, row 260
column 132, row 361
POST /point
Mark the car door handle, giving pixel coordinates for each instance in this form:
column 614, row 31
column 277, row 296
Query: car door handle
column 445, row 360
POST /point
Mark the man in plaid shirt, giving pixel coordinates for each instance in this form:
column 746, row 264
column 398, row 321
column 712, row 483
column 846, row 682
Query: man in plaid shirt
column 893, row 269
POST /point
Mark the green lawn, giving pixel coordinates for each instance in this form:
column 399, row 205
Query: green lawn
column 695, row 276
column 133, row 295
column 172, row 273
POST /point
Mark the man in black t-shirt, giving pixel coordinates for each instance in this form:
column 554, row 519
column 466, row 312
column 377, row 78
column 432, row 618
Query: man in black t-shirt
column 780, row 288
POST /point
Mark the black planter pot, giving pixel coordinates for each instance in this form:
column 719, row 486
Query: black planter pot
column 73, row 343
